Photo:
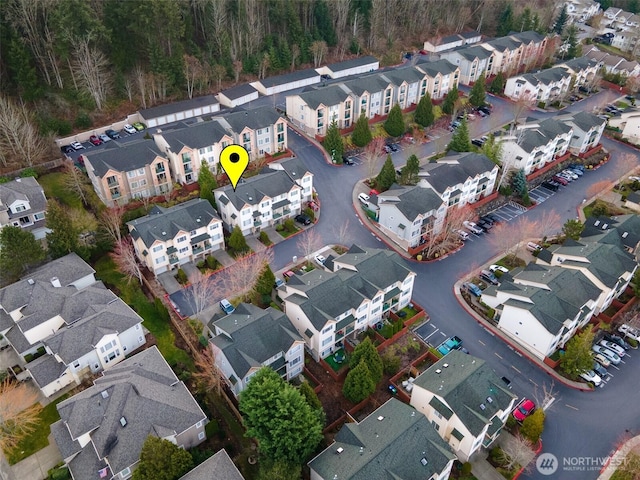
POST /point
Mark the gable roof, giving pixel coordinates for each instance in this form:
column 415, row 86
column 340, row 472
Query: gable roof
column 441, row 175
column 163, row 224
column 328, row 96
column 585, row 121
column 195, row 136
column 142, row 390
column 123, row 157
column 442, row 67
column 464, row 385
column 25, row 189
column 294, row 168
column 239, row 91
column 253, row 190
column 289, row 77
column 412, row 201
column 255, row 118
column 528, row 36
column 354, row 62
column 473, row 52
column 390, row 443
column 252, row 336
column 219, row 465
column 175, row 107
column 373, row 83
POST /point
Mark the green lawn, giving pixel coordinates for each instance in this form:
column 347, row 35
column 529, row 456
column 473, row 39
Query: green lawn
column 286, row 233
column 37, row 440
column 53, row 186
column 155, row 319
column 335, row 365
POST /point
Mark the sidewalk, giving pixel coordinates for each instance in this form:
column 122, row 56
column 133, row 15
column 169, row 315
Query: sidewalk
column 632, row 445
column 38, row 465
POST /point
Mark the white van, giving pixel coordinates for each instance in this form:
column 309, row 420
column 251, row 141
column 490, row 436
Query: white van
column 363, row 197
column 533, row 247
column 464, row 236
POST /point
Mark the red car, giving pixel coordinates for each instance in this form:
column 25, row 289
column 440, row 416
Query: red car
column 95, row 140
column 560, row 180
column 524, row 409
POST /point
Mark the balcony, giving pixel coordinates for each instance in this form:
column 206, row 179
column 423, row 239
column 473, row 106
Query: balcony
column 160, row 169
column 197, row 250
column 257, row 223
column 112, row 182
column 277, row 215
column 173, row 259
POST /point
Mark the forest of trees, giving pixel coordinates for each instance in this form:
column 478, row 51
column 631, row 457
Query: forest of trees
column 79, row 63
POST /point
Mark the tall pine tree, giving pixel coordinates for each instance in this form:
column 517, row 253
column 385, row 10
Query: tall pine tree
column 63, row 237
column 387, row 175
column 361, row 135
column 561, row 21
column 460, row 141
column 424, row 115
column 207, row 183
column 394, row 124
column 450, row 100
column 410, row 171
column 478, row 92
column 333, row 143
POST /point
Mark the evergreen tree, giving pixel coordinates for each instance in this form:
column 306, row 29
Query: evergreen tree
column 561, row 21
column 424, row 115
column 63, row 238
column 23, row 71
column 265, row 282
column 162, row 460
column 358, row 385
column 365, row 352
column 237, row 242
column 573, row 228
column 333, row 143
column 361, row 135
column 578, row 357
column 525, row 21
column 478, row 92
column 492, row 150
column 497, row 85
column 533, row 425
column 409, row 173
column 505, row 23
column 387, row 175
column 519, row 182
column 207, row 182
column 18, row 250
column 394, row 124
column 450, row 101
column 574, row 49
column 460, row 141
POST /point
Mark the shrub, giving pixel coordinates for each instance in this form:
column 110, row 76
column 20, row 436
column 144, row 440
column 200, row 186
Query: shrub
column 632, row 342
column 181, row 277
column 289, row 225
column 466, row 468
column 533, row 425
column 82, row 121
column 264, row 238
column 390, row 362
column 505, row 190
column 203, row 340
column 310, row 213
column 212, row 263
column 279, row 227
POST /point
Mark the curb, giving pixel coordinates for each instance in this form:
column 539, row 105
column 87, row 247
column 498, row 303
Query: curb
column 537, row 452
column 317, row 144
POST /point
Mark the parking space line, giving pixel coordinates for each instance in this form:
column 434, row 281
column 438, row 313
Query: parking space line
column 497, row 355
column 482, row 343
column 570, row 406
column 516, row 369
column 442, row 333
column 429, row 336
column 534, row 383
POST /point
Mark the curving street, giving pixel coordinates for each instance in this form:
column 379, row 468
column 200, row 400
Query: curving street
column 582, row 428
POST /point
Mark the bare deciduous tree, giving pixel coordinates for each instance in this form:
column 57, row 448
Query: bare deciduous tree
column 207, row 374
column 140, row 78
column 192, row 69
column 371, row 157
column 318, row 49
column 125, row 257
column 545, row 396
column 19, row 409
column 91, row 66
column 237, row 70
column 308, row 243
column 342, row 232
column 75, row 181
column 264, row 65
column 447, row 237
column 202, row 292
column 295, row 53
column 507, row 236
column 111, row 221
column 239, row 279
column 517, row 451
column 20, row 142
column 598, row 188
column 526, row 101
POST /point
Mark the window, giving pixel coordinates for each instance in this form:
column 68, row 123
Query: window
column 327, row 341
column 158, row 248
column 213, row 227
column 160, row 260
column 140, row 339
column 182, row 239
column 125, row 472
column 327, row 329
column 131, row 174
column 76, row 364
column 201, row 436
column 183, row 250
column 435, row 425
column 38, row 216
column 294, row 361
column 437, row 414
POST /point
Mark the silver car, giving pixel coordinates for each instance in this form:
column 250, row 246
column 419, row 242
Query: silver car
column 613, row 346
column 608, row 354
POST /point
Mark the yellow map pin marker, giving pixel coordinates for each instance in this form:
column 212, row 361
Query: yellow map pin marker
column 234, row 160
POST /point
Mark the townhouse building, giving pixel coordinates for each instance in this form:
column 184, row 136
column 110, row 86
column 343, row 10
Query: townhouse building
column 583, row 70
column 408, row 214
column 23, row 204
column 629, row 124
column 580, row 10
column 541, row 307
column 354, row 291
column 442, row 44
column 460, row 179
column 167, row 238
column 612, row 63
column 540, row 87
column 442, row 76
column 315, row 109
column 264, row 200
column 473, row 62
column 536, row 144
column 102, row 429
column 408, row 448
column 64, row 325
column 508, row 54
column 587, row 130
column 466, row 402
column 251, row 338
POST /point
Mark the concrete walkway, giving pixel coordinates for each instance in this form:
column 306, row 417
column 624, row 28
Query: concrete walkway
column 632, row 445
column 37, row 465
column 483, row 470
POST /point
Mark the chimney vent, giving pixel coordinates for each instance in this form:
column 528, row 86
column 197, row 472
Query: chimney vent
column 30, row 281
column 438, row 371
column 56, row 282
column 445, row 365
column 380, row 418
column 339, row 450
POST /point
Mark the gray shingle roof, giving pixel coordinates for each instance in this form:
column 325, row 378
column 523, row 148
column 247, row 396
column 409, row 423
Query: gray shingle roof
column 528, row 36
column 551, row 75
column 473, row 52
column 187, row 216
column 414, row 201
column 66, row 445
column 252, row 190
column 294, row 168
column 146, row 393
column 445, row 175
column 45, row 370
column 328, row 96
column 443, row 67
column 253, row 336
column 197, row 135
column 504, row 43
column 407, row 74
column 234, row 93
column 22, row 189
column 532, row 139
column 67, row 269
column 586, row 121
column 290, row 77
column 176, row 107
column 123, row 157
column 579, row 63
column 255, row 118
column 218, row 466
column 553, row 128
column 373, row 83
column 354, row 62
column 464, row 385
column 387, row 448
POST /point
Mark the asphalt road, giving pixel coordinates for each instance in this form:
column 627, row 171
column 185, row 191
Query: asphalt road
column 581, row 427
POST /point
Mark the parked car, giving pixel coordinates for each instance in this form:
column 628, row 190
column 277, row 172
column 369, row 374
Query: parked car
column 139, row 126
column 387, row 149
column 566, row 176
column 455, row 124
column 523, row 409
column 578, row 166
column 477, row 142
column 129, row 129
column 551, row 185
column 488, row 276
column 570, row 173
column 485, row 225
column 629, row 331
column 498, row 268
column 602, row 360
column 463, row 235
column 482, row 113
column 67, row 149
column 112, row 134
column 560, row 180
column 77, row 146
column 453, row 343
column 473, row 289
column 303, row 219
column 608, row 354
column 493, row 218
column 472, row 227
column 575, row 171
column 104, row 137
column 591, row 376
column 488, row 219
column 347, row 161
column 600, row 370
column 279, row 282
column 226, row 306
column 363, row 197
column 287, row 275
column 506, row 381
column 617, row 340
column 533, row 247
column 94, row 140
column 485, row 109
column 320, row 260
column 613, row 346
column 394, row 147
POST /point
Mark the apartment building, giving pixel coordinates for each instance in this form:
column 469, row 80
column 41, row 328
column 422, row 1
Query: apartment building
column 23, row 204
